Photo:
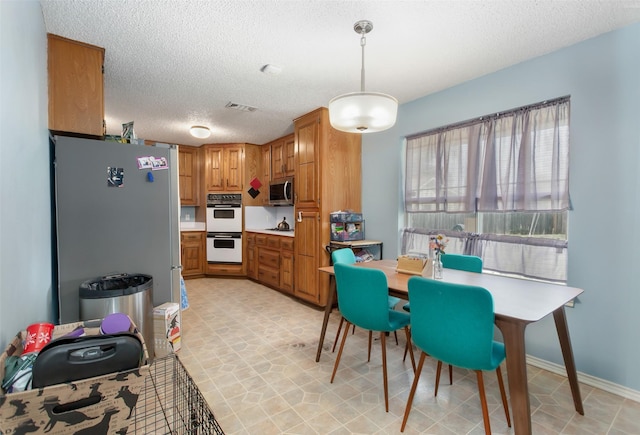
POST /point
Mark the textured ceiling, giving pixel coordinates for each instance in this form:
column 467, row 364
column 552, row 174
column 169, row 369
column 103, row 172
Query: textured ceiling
column 173, row 64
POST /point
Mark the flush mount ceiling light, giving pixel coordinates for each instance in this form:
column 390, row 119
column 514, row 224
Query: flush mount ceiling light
column 363, row 112
column 200, row 132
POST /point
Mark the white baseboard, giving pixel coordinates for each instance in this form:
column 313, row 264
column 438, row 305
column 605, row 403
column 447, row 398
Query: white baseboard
column 592, row 381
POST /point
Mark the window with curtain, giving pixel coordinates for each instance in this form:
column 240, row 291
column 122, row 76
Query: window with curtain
column 497, row 186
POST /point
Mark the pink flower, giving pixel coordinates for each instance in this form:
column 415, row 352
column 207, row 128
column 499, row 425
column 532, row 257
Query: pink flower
column 438, row 243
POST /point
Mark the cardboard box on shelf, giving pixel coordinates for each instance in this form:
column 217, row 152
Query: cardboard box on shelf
column 102, row 404
column 166, row 328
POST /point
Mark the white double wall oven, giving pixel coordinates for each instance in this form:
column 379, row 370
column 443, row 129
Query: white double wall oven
column 224, row 228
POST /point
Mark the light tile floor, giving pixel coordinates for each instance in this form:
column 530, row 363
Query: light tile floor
column 251, row 351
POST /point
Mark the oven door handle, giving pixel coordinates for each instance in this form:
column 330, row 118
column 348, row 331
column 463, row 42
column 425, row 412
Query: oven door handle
column 224, row 235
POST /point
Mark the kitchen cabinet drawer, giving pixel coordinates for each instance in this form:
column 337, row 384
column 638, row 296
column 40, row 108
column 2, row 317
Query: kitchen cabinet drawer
column 269, row 276
column 191, row 236
column 269, row 258
column 273, row 242
column 261, row 240
column 287, row 244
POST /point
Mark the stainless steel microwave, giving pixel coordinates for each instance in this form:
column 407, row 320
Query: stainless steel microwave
column 281, row 192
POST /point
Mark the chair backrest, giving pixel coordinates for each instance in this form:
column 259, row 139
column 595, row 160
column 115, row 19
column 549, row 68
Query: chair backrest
column 469, row 263
column 344, row 255
column 363, row 296
column 453, row 323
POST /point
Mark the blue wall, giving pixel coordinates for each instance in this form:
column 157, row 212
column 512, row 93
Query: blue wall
column 25, row 223
column 602, row 75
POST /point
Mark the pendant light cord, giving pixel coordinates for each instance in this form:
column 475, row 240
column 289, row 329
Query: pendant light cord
column 363, row 42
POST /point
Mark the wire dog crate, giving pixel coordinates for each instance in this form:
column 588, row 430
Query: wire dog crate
column 171, row 403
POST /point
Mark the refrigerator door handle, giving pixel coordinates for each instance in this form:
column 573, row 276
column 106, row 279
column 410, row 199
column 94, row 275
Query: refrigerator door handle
column 176, row 267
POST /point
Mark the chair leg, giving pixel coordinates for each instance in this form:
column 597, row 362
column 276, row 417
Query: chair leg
column 396, row 335
column 353, row 331
column 450, row 375
column 407, row 332
column 383, row 344
column 414, row 385
column 344, row 339
column 483, row 402
column 370, row 340
column 505, row 404
column 438, row 370
column 406, row 348
column 337, row 334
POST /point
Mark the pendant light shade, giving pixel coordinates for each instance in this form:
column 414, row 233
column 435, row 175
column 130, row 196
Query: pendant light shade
column 363, row 112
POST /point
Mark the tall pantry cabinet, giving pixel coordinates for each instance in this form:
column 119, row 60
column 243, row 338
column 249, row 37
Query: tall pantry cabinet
column 328, row 178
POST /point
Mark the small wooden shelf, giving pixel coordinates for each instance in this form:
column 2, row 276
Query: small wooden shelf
column 358, row 245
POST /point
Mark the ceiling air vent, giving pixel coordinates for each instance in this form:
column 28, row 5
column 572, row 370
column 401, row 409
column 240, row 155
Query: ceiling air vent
column 240, row 107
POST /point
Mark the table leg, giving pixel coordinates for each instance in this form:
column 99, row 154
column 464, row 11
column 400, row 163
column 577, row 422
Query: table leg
column 327, row 313
column 567, row 354
column 513, row 334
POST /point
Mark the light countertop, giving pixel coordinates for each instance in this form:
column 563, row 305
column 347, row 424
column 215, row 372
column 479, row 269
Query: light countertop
column 192, row 226
column 272, row 232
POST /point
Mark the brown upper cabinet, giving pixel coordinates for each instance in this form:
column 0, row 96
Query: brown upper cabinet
column 283, row 157
column 265, row 172
column 307, row 189
column 252, row 170
column 223, row 167
column 76, row 86
column 189, row 175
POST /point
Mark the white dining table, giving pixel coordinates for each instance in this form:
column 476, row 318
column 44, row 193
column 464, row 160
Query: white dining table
column 517, row 303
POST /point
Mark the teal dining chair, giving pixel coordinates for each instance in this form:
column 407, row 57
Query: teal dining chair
column 468, row 263
column 454, row 324
column 362, row 297
column 346, row 256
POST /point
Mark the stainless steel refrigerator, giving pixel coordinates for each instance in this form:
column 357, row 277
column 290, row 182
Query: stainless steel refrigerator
column 116, row 210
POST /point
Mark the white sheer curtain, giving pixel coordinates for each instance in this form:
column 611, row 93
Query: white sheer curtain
column 518, row 161
column 506, row 163
column 530, row 257
column 526, row 160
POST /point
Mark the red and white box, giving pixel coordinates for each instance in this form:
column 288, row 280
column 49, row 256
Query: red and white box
column 166, row 328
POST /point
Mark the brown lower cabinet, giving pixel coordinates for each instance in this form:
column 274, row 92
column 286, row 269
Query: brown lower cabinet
column 192, row 246
column 270, row 260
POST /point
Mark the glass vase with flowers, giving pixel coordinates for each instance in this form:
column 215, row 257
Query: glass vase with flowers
column 437, row 244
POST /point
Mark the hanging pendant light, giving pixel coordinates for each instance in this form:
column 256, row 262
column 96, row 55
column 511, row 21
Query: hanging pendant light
column 363, row 112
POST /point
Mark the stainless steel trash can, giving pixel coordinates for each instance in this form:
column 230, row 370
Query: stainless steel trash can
column 122, row 293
